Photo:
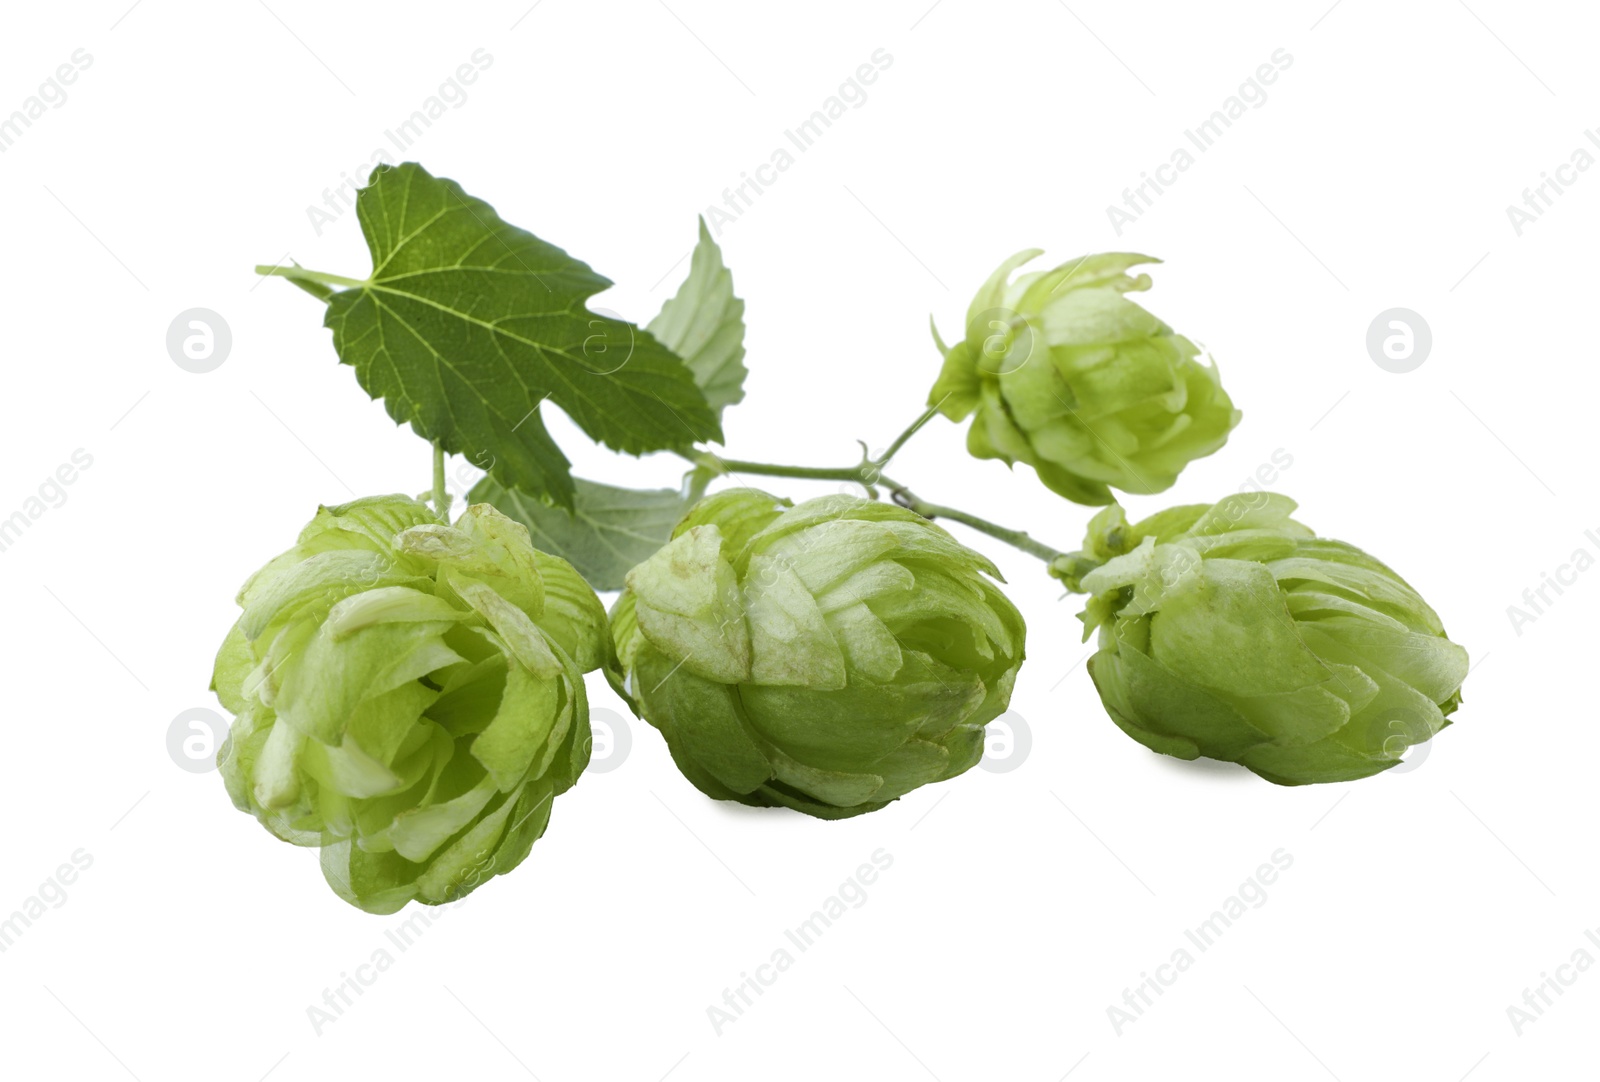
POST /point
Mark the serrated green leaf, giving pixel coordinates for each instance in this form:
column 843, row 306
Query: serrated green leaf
column 467, row 324
column 609, row 531
column 704, row 324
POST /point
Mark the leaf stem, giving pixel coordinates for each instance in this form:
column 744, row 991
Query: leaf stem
column 441, row 496
column 316, row 283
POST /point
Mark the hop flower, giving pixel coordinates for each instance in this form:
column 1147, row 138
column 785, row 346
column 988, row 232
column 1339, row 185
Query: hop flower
column 1067, row 375
column 409, row 697
column 1231, row 631
column 829, row 657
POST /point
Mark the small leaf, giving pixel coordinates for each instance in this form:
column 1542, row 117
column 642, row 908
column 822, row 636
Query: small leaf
column 467, row 324
column 609, row 531
column 704, row 324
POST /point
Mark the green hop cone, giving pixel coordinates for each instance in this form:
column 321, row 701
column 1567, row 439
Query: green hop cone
column 828, row 657
column 408, row 696
column 1231, row 631
column 1062, row 372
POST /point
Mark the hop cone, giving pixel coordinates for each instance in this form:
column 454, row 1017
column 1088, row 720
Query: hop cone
column 1061, row 371
column 1233, row 632
column 829, row 657
column 409, row 697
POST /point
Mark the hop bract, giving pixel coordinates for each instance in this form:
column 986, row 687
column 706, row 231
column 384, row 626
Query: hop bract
column 409, row 696
column 1061, row 371
column 829, row 657
column 1231, row 631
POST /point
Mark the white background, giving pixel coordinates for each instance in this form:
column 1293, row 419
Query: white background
column 1420, row 904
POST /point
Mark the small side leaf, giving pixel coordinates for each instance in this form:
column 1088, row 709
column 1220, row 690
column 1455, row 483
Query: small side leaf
column 704, row 324
column 609, row 531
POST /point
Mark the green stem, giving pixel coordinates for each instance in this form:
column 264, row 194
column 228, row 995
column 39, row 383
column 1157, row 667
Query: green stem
column 1015, row 538
column 856, row 474
column 316, row 283
column 900, row 440
column 867, row 475
column 441, row 497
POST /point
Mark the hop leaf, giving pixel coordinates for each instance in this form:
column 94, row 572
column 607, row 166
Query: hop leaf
column 704, row 324
column 608, row 531
column 468, row 324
